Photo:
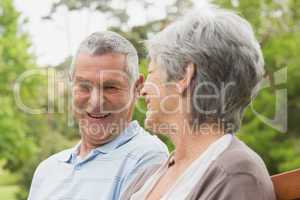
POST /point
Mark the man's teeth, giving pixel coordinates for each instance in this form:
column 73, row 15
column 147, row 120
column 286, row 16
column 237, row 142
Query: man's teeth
column 99, row 116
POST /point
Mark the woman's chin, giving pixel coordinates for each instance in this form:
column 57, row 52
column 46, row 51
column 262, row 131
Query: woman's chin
column 150, row 123
column 153, row 124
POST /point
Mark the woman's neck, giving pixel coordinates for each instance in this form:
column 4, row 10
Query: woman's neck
column 190, row 144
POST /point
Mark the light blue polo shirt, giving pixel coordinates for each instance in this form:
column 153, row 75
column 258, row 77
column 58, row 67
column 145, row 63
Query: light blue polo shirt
column 104, row 173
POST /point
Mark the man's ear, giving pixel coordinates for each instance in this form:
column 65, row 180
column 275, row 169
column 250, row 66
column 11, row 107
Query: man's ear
column 139, row 84
column 184, row 83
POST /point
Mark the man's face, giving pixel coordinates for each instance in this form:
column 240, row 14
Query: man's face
column 102, row 99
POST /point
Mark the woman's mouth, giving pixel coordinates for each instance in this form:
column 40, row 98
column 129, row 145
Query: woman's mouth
column 147, row 104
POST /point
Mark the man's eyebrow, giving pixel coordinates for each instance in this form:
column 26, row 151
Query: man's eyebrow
column 112, row 82
column 81, row 79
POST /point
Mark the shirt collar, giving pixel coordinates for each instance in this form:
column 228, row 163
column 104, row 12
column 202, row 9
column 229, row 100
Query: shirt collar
column 127, row 134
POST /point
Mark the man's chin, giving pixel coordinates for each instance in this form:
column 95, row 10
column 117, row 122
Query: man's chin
column 99, row 138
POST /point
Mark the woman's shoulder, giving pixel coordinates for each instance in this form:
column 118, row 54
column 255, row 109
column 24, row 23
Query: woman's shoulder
column 237, row 167
column 239, row 158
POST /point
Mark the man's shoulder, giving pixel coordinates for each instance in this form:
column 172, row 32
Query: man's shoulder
column 145, row 143
column 148, row 141
column 53, row 160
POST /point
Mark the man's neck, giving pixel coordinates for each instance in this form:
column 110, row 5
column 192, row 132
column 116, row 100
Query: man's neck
column 87, row 145
column 85, row 148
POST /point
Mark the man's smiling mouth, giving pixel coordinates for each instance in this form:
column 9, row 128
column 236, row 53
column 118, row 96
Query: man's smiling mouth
column 98, row 116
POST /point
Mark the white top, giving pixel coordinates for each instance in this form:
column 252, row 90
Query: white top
column 181, row 188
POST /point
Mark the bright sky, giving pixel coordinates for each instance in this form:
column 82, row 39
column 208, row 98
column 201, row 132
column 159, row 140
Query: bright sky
column 54, row 40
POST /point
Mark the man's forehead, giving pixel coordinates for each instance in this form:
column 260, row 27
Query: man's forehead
column 102, row 75
column 106, row 57
column 102, row 72
column 102, row 61
column 101, row 66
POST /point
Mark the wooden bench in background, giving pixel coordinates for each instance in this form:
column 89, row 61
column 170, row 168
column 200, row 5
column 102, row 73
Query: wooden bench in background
column 287, row 185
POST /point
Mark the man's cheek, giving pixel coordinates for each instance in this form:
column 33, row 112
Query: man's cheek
column 123, row 102
column 79, row 103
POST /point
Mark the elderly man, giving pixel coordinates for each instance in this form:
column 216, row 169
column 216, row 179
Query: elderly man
column 113, row 149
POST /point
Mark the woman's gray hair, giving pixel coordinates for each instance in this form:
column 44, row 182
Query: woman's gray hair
column 227, row 57
column 100, row 43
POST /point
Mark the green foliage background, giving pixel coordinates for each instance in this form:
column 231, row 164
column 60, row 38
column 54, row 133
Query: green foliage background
column 26, row 139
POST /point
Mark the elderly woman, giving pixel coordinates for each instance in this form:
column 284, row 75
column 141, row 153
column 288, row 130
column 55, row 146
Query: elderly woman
column 204, row 70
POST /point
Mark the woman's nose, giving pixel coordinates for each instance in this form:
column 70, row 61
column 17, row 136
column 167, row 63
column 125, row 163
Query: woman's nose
column 143, row 91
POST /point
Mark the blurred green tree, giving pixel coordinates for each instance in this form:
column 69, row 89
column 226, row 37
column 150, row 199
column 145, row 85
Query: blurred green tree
column 15, row 143
column 25, row 138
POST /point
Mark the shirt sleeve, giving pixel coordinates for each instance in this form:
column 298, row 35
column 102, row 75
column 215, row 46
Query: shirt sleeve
column 35, row 184
column 145, row 167
column 239, row 187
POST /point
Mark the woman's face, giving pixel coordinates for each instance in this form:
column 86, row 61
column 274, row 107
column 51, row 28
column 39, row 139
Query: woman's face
column 162, row 99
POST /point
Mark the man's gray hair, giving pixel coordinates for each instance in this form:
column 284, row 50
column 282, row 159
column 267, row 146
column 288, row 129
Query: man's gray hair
column 100, row 43
column 226, row 56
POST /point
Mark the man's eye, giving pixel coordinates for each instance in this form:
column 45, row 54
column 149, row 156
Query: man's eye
column 84, row 87
column 110, row 88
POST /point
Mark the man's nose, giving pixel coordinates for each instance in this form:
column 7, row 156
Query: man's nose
column 96, row 99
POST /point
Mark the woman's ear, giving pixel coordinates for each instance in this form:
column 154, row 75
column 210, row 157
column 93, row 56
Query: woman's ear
column 184, row 83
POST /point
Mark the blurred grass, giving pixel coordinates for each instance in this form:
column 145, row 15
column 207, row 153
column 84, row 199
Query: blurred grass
column 8, row 186
column 7, row 192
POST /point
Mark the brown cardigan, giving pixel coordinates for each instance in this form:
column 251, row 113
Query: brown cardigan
column 237, row 174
